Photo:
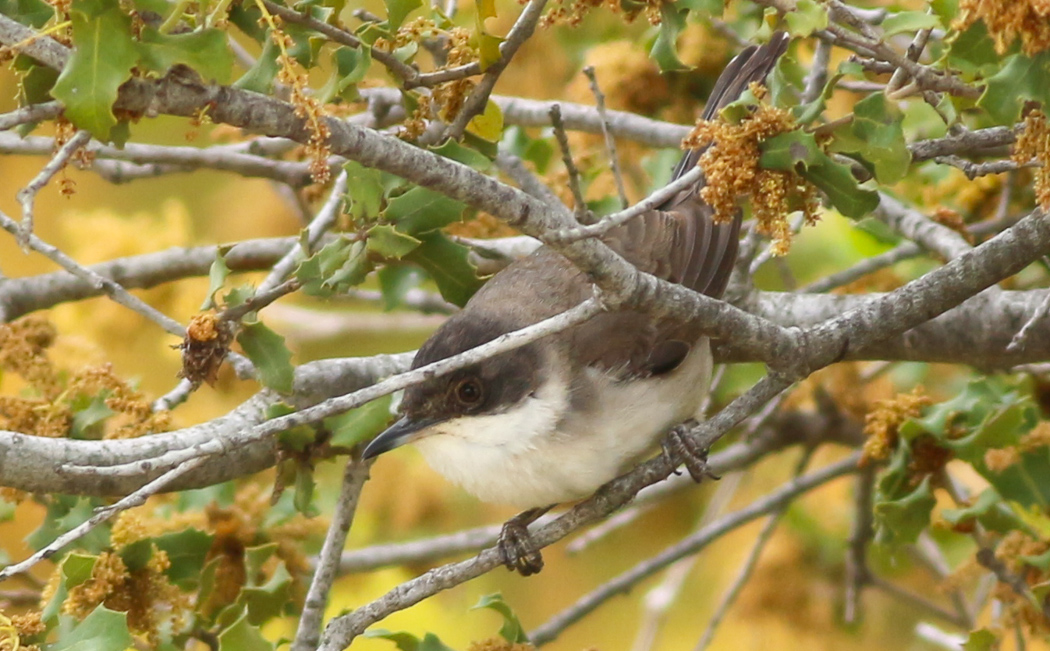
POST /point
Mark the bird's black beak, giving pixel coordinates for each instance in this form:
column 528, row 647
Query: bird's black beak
column 401, row 432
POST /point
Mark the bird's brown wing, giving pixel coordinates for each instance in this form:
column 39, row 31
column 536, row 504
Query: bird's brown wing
column 679, row 242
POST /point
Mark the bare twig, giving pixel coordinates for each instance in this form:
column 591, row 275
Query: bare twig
column 973, row 170
column 111, row 288
column 29, row 114
column 583, row 215
column 861, row 531
column 137, row 498
column 610, row 142
column 690, row 545
column 327, row 568
column 750, row 563
column 1018, row 342
column 27, row 195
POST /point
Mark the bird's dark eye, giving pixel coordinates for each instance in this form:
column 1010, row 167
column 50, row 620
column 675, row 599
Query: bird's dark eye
column 468, row 391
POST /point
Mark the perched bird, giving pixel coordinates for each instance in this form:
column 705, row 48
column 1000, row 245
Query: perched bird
column 553, row 420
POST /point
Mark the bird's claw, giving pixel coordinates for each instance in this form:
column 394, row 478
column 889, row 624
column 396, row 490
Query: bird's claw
column 517, row 550
column 681, row 449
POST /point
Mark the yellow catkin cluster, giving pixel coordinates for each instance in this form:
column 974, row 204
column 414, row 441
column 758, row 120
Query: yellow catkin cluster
column 451, row 95
column 146, row 595
column 23, row 347
column 572, row 12
column 139, row 417
column 1000, row 459
column 1006, row 21
column 307, row 106
column 1034, row 142
column 882, row 424
column 1019, row 609
column 730, row 165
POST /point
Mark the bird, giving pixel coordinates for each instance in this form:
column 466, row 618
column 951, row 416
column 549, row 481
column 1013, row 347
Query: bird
column 553, row 420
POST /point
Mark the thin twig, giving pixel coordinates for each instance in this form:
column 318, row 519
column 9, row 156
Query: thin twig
column 479, row 97
column 857, row 573
column 1017, row 344
column 973, row 170
column 111, row 288
column 308, row 634
column 583, row 215
column 817, row 77
column 750, row 563
column 689, row 545
column 137, row 498
column 29, row 114
column 610, row 142
column 918, row 600
column 607, row 223
column 27, row 195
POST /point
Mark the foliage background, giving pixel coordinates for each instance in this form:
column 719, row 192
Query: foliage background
column 794, row 599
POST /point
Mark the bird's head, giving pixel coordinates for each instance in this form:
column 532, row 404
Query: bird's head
column 490, row 387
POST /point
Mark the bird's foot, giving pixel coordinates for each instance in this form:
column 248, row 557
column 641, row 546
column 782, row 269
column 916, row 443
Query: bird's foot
column 516, row 547
column 681, row 449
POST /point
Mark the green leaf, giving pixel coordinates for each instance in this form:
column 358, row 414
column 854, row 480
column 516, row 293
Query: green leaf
column 408, row 642
column 972, row 52
column 876, row 134
column 899, row 522
column 187, row 551
column 981, row 640
column 665, row 48
column 395, row 281
column 489, row 124
column 512, row 630
column 1022, row 78
column 89, row 416
column 351, row 66
column 206, row 51
column 271, row 357
column 989, row 510
column 909, row 21
column 360, row 424
column 260, row 77
column 37, row 83
column 453, row 150
column 448, row 265
column 265, row 602
column 808, row 17
column 217, row 275
column 137, row 554
column 102, row 58
column 304, row 491
column 421, row 210
column 102, row 630
column 364, row 190
column 34, row 13
column 488, row 51
column 799, row 151
column 388, row 242
column 241, row 635
column 398, row 10
column 485, row 8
